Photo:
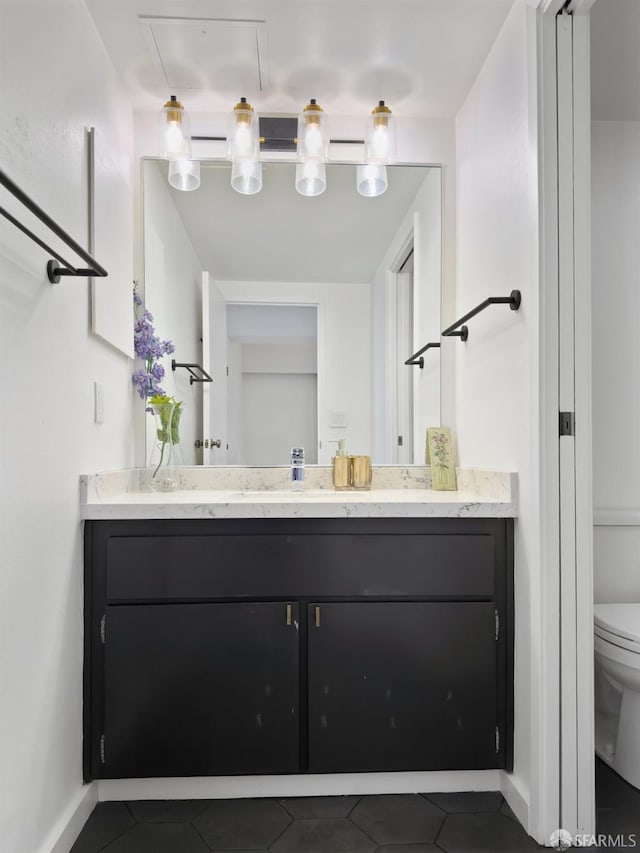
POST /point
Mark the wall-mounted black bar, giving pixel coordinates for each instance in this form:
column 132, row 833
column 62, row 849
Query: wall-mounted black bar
column 513, row 301
column 419, row 362
column 53, row 270
column 203, row 377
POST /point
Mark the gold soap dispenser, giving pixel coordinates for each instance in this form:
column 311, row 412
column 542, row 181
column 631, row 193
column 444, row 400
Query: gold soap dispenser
column 341, row 468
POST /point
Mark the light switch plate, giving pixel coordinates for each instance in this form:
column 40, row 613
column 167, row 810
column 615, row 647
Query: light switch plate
column 338, row 420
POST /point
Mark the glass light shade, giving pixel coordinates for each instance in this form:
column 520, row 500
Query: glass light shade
column 380, row 138
column 313, row 135
column 175, row 133
column 246, row 176
column 371, row 180
column 243, row 136
column 311, row 178
column 184, row 174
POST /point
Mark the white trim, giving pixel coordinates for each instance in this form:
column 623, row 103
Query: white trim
column 580, row 8
column 327, row 785
column 566, row 402
column 544, row 660
column 550, row 7
column 205, row 297
column 68, row 827
column 616, row 517
column 403, row 242
column 585, row 734
column 517, row 800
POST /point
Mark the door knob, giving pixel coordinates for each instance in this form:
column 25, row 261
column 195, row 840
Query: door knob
column 208, row 442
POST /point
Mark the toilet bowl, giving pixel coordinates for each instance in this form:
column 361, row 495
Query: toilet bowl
column 617, row 671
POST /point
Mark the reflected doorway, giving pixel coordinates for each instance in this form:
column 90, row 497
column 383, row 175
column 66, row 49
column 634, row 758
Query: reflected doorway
column 272, row 384
column 403, row 454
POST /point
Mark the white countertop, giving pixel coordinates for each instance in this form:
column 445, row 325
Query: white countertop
column 397, row 492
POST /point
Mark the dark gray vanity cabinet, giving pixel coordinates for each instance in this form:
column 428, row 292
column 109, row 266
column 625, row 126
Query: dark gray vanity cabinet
column 200, row 688
column 219, row 647
column 402, row 686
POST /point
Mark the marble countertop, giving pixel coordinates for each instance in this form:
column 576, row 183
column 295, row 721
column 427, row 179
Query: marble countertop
column 397, row 491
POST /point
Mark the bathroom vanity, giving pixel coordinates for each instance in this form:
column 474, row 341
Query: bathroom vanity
column 297, row 642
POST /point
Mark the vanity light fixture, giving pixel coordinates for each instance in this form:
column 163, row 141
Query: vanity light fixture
column 243, row 147
column 380, row 138
column 312, row 150
column 175, row 131
column 184, row 174
column 313, row 139
column 379, row 149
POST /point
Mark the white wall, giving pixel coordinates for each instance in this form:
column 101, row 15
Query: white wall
column 344, row 352
column 56, row 79
column 496, row 390
column 615, row 252
column 172, row 291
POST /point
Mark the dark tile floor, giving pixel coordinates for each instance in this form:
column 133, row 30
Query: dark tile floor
column 474, row 822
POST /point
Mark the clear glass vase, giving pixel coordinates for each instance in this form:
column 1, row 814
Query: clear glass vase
column 165, row 457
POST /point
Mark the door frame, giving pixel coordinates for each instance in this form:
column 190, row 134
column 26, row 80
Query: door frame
column 393, row 348
column 322, row 445
column 563, row 784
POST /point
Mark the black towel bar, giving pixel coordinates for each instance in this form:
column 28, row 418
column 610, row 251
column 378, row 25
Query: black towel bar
column 203, row 377
column 513, row 301
column 419, row 362
column 54, row 271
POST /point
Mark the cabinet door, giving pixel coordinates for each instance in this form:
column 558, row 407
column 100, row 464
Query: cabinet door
column 402, row 686
column 197, row 689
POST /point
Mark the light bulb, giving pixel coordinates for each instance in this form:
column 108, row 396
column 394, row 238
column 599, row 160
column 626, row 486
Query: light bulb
column 380, row 141
column 313, row 143
column 175, row 135
column 243, row 137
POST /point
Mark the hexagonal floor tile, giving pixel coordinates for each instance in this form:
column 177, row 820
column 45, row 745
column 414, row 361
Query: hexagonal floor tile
column 158, row 838
column 241, row 824
column 467, row 801
column 323, row 836
column 106, row 822
column 167, row 811
column 310, row 808
column 408, row 848
column 398, row 818
column 487, row 832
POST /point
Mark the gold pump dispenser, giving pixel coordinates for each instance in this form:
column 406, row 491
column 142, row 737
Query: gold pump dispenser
column 341, row 468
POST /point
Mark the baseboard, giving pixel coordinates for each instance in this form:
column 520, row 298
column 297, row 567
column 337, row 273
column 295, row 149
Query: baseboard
column 515, row 798
column 325, row 785
column 63, row 835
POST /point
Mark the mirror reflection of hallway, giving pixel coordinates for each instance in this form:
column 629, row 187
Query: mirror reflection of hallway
column 272, row 383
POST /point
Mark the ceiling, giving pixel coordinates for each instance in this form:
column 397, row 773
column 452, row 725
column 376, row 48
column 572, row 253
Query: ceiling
column 615, row 60
column 420, row 56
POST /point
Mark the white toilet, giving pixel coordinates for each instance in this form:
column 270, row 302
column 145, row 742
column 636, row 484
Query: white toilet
column 617, row 682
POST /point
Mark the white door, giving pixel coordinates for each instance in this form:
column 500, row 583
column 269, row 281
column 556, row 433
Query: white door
column 567, row 798
column 577, row 800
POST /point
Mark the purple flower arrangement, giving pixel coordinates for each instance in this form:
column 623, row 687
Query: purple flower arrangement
column 150, row 349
